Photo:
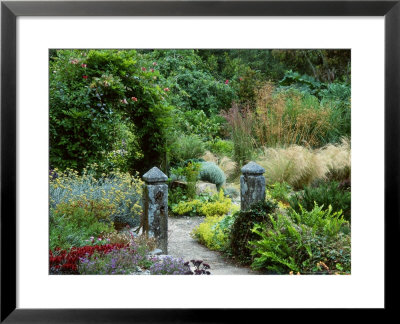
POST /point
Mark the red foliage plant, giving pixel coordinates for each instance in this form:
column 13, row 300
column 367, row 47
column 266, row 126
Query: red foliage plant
column 66, row 262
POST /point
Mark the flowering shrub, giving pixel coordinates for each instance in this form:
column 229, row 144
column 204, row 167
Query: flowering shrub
column 169, row 266
column 120, row 192
column 128, row 238
column 89, row 93
column 66, row 262
column 118, row 261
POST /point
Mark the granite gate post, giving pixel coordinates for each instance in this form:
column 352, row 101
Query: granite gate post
column 252, row 185
column 155, row 203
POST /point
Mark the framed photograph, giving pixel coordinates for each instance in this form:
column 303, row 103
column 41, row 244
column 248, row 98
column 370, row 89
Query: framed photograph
column 308, row 44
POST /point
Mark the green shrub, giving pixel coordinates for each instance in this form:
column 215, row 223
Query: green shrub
column 208, row 233
column 210, row 172
column 175, row 196
column 187, row 208
column 241, row 232
column 227, row 165
column 189, row 174
column 198, row 123
column 327, row 193
column 337, row 97
column 185, row 147
column 304, row 242
column 221, row 147
column 304, row 83
column 72, row 224
column 280, row 191
column 218, row 206
column 191, row 86
column 231, row 192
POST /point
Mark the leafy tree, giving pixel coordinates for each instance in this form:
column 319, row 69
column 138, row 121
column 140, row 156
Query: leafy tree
column 91, row 94
column 191, row 83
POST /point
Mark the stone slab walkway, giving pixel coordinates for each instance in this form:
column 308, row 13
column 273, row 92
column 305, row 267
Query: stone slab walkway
column 182, row 245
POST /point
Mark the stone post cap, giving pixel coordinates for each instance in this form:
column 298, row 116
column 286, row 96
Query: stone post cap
column 252, row 168
column 155, row 175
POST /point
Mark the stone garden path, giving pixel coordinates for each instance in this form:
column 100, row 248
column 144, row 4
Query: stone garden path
column 182, row 245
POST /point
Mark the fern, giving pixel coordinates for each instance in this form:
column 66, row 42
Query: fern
column 299, row 240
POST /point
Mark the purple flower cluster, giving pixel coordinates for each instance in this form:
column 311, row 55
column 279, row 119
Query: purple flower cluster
column 128, row 261
column 118, row 261
column 169, row 266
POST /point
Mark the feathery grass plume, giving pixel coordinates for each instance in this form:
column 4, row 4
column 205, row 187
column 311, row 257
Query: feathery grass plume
column 289, row 117
column 210, row 157
column 296, row 165
column 241, row 121
column 227, row 165
column 300, row 166
column 338, row 160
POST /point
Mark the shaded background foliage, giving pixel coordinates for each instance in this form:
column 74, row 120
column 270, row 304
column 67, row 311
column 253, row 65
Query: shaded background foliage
column 128, row 109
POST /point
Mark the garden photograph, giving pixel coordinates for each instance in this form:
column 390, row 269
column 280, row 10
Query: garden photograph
column 199, row 161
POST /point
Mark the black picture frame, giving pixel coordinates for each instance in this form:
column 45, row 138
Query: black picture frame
column 10, row 10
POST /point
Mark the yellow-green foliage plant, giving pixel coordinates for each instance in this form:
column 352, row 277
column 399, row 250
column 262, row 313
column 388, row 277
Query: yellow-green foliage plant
column 217, row 206
column 187, row 207
column 221, row 206
column 208, row 233
column 214, row 232
column 121, row 191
